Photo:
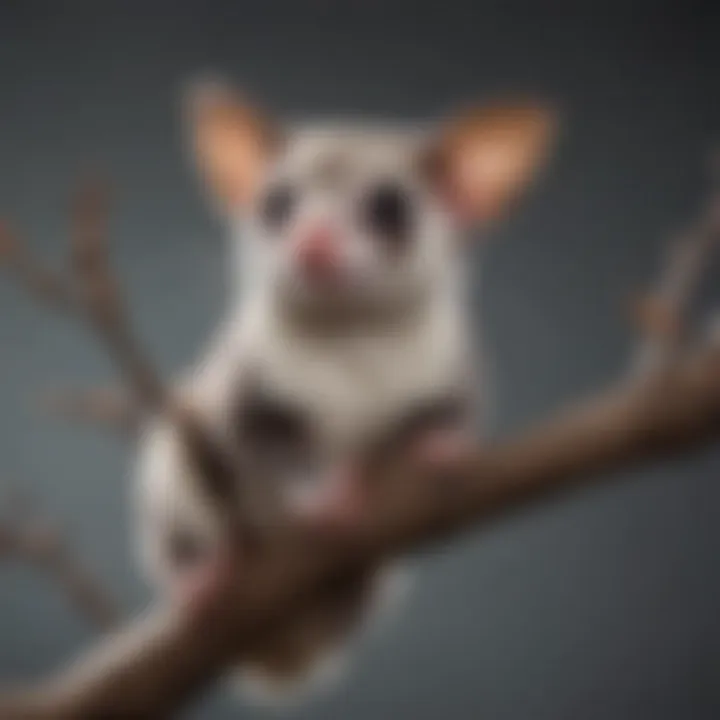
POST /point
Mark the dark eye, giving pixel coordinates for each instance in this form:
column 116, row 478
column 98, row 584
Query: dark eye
column 277, row 205
column 387, row 211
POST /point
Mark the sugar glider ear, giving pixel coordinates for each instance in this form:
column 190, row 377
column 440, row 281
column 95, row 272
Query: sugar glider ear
column 481, row 160
column 232, row 142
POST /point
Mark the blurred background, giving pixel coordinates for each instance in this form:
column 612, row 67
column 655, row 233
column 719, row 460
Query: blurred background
column 604, row 605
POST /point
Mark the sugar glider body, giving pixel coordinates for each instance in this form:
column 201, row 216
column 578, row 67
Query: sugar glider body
column 349, row 327
column 370, row 385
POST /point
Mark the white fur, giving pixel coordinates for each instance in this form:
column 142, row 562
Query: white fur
column 352, row 383
column 353, row 386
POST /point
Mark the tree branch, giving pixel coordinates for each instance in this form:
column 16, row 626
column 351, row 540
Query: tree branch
column 93, row 293
column 159, row 663
column 102, row 302
column 661, row 315
column 110, row 407
column 45, row 284
column 27, row 537
column 154, row 666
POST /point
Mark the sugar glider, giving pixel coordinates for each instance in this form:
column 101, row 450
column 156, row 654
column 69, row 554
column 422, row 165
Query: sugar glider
column 349, row 325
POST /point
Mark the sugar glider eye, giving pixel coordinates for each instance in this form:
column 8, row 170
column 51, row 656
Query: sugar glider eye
column 277, row 205
column 387, row 210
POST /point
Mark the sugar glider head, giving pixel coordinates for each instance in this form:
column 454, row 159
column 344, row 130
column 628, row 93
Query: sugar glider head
column 359, row 216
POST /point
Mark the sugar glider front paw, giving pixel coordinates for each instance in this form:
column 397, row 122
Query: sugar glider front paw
column 338, row 499
column 440, row 448
column 345, row 496
column 192, row 567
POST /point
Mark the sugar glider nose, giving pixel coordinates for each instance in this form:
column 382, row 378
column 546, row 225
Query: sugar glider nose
column 317, row 253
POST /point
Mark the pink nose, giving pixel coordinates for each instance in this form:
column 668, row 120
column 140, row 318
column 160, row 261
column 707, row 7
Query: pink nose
column 317, row 254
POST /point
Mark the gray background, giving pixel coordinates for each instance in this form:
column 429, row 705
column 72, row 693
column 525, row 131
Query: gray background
column 601, row 606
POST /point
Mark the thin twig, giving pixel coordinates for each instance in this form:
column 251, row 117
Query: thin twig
column 28, row 537
column 47, row 285
column 91, row 291
column 107, row 407
column 98, row 299
column 662, row 314
column 101, row 297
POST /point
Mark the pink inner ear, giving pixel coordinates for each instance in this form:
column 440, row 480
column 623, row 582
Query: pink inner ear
column 489, row 158
column 465, row 204
column 462, row 211
column 465, row 211
column 232, row 142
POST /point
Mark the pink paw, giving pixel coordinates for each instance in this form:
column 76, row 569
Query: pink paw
column 195, row 587
column 338, row 502
column 439, row 449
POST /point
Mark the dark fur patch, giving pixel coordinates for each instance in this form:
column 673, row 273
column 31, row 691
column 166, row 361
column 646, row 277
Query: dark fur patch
column 265, row 421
